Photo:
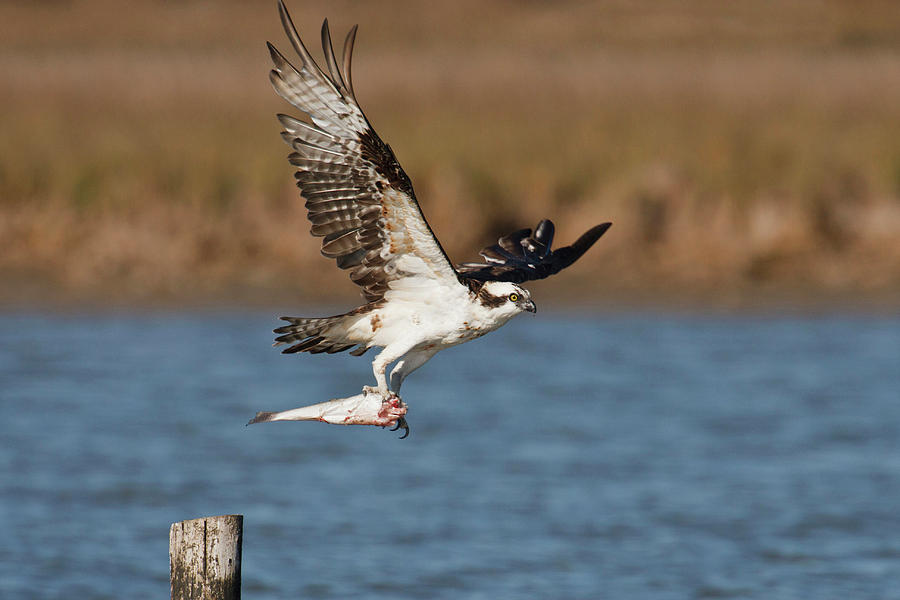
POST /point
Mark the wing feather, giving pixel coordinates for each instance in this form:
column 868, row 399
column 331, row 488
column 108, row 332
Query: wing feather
column 348, row 58
column 521, row 256
column 359, row 199
column 328, row 48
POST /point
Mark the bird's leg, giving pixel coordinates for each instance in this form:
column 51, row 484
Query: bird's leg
column 391, row 400
column 407, row 365
column 379, row 365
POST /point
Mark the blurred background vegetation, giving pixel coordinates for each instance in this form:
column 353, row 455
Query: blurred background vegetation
column 747, row 152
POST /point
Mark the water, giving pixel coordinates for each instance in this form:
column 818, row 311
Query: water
column 560, row 458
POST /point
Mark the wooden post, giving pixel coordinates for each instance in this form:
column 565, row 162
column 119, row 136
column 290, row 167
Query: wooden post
column 205, row 558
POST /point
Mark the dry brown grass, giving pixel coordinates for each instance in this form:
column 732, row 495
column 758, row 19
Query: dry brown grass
column 739, row 148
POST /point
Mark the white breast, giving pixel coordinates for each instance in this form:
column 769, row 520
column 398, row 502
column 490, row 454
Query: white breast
column 421, row 313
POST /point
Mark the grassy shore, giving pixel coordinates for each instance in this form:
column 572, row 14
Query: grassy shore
column 742, row 150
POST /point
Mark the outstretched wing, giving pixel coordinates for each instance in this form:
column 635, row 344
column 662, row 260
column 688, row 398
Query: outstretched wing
column 358, row 197
column 521, row 256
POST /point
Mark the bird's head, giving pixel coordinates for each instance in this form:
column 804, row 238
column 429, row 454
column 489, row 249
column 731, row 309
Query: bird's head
column 505, row 298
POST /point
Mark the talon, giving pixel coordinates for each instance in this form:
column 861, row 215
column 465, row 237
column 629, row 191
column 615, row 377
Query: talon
column 401, row 422
column 392, row 412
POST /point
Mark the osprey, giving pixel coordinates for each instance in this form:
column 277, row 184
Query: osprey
column 363, row 206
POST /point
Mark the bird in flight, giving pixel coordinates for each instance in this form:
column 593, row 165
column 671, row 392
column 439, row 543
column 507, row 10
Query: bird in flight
column 362, row 204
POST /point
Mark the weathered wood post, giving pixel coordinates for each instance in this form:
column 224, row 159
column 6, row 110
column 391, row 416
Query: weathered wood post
column 205, row 558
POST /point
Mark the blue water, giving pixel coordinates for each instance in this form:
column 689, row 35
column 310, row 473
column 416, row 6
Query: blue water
column 561, row 457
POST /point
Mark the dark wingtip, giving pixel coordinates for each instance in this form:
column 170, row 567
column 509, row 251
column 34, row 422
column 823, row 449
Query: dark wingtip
column 588, row 238
column 534, row 261
column 594, row 233
column 543, row 234
column 544, row 228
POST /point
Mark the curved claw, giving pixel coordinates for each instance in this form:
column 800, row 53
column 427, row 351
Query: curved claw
column 401, row 422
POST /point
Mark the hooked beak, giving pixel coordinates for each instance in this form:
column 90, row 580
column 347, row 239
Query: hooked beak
column 530, row 307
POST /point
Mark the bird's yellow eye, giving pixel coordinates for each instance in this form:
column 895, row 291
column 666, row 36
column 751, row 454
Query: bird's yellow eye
column 513, row 297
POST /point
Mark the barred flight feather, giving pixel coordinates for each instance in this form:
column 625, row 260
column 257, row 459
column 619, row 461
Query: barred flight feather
column 357, row 196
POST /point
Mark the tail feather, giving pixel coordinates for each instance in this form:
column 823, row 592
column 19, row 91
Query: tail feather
column 262, row 417
column 317, row 335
